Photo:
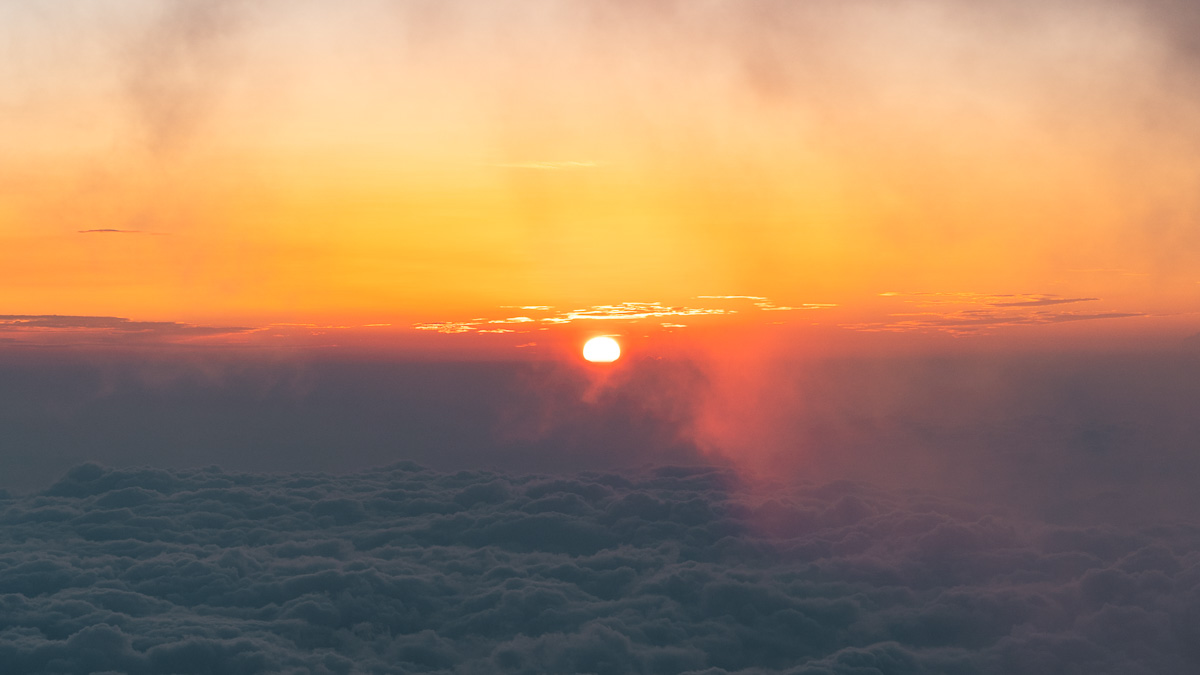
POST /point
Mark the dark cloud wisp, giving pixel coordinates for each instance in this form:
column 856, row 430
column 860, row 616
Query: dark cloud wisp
column 110, row 230
column 100, row 327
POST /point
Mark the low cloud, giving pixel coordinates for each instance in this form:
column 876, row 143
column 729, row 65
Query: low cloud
column 972, row 321
column 671, row 570
column 970, row 313
column 1073, row 438
column 32, row 327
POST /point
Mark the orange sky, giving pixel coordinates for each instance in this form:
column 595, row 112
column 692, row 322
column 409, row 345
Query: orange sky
column 923, row 167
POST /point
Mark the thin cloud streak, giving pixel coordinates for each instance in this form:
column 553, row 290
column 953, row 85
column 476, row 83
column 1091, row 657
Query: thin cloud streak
column 108, row 328
column 109, row 230
column 1042, row 302
column 981, row 312
column 625, row 311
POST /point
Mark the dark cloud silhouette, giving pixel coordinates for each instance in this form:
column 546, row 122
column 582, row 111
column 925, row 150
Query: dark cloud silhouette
column 974, row 319
column 109, row 230
column 1076, row 316
column 965, row 313
column 1041, row 301
column 90, row 328
column 968, row 321
column 671, row 570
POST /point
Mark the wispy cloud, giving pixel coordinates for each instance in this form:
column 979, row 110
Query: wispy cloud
column 176, row 68
column 963, row 313
column 107, row 328
column 770, row 307
column 448, row 326
column 1042, row 301
column 623, row 311
column 626, row 311
column 989, row 299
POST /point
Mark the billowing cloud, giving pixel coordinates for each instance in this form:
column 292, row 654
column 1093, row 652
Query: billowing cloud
column 674, row 570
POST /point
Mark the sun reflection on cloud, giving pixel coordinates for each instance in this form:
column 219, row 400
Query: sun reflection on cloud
column 622, row 311
column 639, row 310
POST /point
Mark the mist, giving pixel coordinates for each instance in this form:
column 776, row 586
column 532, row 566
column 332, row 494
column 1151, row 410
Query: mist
column 1067, row 437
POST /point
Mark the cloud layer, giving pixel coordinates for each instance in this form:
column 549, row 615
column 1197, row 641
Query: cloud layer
column 674, row 570
column 106, row 329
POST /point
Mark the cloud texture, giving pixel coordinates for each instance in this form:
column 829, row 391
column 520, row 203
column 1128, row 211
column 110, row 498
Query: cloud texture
column 675, row 570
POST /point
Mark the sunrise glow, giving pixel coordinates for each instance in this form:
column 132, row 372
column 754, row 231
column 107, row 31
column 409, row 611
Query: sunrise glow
column 289, row 166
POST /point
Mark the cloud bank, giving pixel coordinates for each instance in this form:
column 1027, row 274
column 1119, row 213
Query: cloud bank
column 1074, row 439
column 674, row 570
column 41, row 329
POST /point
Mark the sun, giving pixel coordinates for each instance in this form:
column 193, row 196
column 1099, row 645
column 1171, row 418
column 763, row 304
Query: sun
column 601, row 350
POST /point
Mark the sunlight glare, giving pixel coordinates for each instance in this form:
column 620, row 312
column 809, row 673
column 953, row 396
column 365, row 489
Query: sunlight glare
column 601, row 350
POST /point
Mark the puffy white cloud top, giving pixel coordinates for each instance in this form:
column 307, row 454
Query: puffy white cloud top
column 676, row 570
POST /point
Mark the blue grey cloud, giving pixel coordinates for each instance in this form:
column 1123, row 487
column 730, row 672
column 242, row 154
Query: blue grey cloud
column 671, row 570
column 101, row 328
column 1074, row 439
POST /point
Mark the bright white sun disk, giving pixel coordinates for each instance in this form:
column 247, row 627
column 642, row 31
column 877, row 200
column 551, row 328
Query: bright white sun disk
column 602, row 350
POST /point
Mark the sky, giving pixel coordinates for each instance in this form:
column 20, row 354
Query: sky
column 293, row 297
column 810, row 225
column 913, row 166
